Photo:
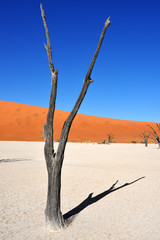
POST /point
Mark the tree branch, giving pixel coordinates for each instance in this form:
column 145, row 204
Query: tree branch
column 158, row 126
column 107, row 23
column 144, row 135
column 154, row 132
column 48, row 127
column 153, row 139
column 86, row 82
column 48, row 46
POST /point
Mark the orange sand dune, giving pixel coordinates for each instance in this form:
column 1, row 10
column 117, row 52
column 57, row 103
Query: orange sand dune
column 20, row 122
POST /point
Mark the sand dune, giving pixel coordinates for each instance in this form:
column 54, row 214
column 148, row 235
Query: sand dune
column 20, row 122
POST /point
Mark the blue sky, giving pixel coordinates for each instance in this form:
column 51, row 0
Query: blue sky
column 127, row 71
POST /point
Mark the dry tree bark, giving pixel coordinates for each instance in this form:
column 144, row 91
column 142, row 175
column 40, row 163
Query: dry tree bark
column 155, row 134
column 110, row 137
column 54, row 161
column 145, row 137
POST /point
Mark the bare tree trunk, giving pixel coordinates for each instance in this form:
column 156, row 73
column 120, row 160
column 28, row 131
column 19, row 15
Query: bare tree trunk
column 155, row 134
column 146, row 144
column 54, row 161
column 145, row 137
column 54, row 218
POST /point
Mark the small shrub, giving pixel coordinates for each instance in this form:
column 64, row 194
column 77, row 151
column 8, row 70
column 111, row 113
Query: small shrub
column 133, row 142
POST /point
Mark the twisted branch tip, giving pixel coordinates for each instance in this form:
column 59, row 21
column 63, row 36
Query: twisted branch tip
column 56, row 71
column 108, row 22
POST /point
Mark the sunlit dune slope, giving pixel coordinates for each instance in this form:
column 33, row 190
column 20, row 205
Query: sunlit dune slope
column 20, row 122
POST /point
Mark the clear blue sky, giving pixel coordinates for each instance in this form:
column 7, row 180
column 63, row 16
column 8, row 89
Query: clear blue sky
column 127, row 71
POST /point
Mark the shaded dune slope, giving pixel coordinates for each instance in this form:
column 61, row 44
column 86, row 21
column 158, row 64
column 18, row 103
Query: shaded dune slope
column 21, row 122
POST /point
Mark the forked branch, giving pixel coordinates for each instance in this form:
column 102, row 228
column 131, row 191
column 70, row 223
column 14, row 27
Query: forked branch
column 86, row 82
column 54, row 217
column 155, row 134
column 145, row 135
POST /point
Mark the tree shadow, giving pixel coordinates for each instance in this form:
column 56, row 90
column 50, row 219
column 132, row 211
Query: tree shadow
column 70, row 215
column 14, row 160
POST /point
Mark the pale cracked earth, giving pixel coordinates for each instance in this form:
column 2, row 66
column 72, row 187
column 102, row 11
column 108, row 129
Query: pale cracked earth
column 131, row 212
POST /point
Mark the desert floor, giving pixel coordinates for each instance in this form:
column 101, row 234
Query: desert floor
column 130, row 212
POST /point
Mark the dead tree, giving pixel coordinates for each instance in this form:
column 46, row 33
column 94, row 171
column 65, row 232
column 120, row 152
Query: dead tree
column 155, row 134
column 145, row 137
column 54, row 161
column 110, row 137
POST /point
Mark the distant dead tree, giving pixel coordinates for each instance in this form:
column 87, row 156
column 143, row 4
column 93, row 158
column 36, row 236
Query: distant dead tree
column 54, row 161
column 155, row 133
column 110, row 137
column 145, row 135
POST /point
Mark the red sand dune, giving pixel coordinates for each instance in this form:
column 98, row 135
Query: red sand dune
column 20, row 122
